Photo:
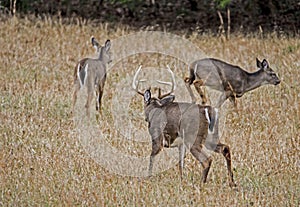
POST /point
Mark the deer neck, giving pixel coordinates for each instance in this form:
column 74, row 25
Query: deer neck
column 100, row 58
column 101, row 55
column 151, row 108
column 254, row 80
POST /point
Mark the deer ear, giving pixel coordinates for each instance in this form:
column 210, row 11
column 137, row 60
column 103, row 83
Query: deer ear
column 95, row 43
column 147, row 96
column 167, row 99
column 265, row 64
column 107, row 45
column 258, row 63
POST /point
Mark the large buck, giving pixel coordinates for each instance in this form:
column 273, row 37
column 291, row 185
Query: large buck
column 232, row 80
column 91, row 73
column 188, row 126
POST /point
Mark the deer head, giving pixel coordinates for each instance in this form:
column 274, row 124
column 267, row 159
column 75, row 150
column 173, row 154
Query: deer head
column 269, row 75
column 104, row 51
column 184, row 125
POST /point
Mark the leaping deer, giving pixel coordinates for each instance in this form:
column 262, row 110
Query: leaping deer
column 227, row 78
column 91, row 73
column 195, row 126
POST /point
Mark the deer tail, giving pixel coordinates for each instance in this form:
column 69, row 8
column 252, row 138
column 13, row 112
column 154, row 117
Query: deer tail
column 82, row 74
column 211, row 115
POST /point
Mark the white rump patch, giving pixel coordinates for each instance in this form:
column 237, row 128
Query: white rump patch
column 85, row 73
column 82, row 74
column 207, row 115
column 78, row 75
column 195, row 70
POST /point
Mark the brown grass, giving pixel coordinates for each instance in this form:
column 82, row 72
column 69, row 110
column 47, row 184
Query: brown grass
column 43, row 163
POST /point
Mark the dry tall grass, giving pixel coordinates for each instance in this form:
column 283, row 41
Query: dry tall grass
column 43, row 163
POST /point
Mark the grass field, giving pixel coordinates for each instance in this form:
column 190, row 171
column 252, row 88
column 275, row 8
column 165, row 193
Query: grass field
column 42, row 161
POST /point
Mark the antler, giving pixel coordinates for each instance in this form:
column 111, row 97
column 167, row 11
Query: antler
column 173, row 84
column 135, row 83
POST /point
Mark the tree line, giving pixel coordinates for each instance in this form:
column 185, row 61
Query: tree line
column 279, row 16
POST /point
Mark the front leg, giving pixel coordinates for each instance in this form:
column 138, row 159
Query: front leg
column 233, row 100
column 232, row 95
column 157, row 145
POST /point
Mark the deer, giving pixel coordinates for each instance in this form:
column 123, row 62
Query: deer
column 91, row 73
column 187, row 126
column 230, row 79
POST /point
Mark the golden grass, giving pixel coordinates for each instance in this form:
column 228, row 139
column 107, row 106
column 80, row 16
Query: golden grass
column 43, row 163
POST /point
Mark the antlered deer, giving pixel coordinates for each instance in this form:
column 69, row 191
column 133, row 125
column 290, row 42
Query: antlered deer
column 195, row 126
column 227, row 78
column 91, row 73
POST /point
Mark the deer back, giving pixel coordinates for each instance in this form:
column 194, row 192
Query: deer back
column 90, row 71
column 189, row 121
column 221, row 76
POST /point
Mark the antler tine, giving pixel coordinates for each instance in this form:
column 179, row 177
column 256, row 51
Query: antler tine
column 173, row 78
column 173, row 83
column 164, row 82
column 135, row 76
column 135, row 83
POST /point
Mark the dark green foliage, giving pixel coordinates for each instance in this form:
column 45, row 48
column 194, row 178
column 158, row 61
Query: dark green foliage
column 246, row 15
column 222, row 3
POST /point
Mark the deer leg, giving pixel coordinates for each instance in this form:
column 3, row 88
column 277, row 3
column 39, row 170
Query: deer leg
column 223, row 98
column 157, row 145
column 234, row 101
column 188, row 86
column 181, row 150
column 88, row 103
column 203, row 158
column 76, row 89
column 101, row 88
column 198, row 84
column 232, row 95
column 224, row 149
column 99, row 98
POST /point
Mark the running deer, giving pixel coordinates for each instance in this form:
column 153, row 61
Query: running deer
column 227, row 78
column 188, row 126
column 91, row 73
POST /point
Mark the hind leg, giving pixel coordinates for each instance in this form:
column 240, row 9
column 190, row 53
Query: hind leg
column 75, row 93
column 199, row 153
column 157, row 145
column 224, row 149
column 100, row 94
column 98, row 102
column 88, row 103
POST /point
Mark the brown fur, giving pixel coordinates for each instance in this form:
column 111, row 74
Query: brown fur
column 95, row 76
column 170, row 121
column 227, row 78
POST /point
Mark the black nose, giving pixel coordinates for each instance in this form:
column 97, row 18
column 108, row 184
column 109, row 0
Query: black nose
column 277, row 82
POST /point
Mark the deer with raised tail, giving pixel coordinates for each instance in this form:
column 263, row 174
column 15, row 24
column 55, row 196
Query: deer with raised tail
column 232, row 80
column 187, row 126
column 91, row 73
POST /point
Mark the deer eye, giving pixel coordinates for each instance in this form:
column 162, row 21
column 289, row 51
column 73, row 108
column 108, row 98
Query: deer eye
column 272, row 74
